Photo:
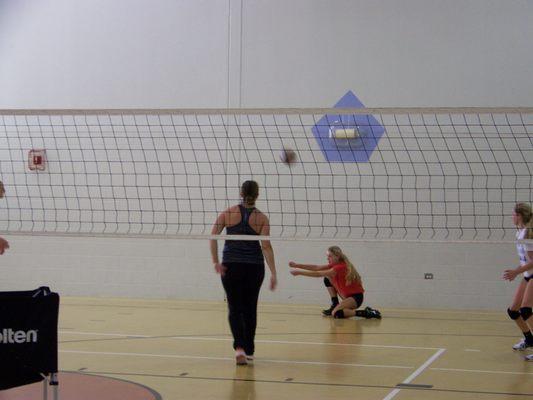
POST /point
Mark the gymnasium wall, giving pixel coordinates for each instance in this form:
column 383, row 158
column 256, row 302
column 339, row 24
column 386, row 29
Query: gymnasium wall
column 302, row 53
column 270, row 53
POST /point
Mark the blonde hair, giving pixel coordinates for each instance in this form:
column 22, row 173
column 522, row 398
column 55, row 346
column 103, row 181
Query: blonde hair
column 352, row 274
column 524, row 210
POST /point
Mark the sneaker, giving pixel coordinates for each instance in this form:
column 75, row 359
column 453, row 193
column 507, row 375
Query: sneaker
column 240, row 357
column 249, row 359
column 522, row 345
column 528, row 357
column 327, row 311
column 374, row 314
column 367, row 312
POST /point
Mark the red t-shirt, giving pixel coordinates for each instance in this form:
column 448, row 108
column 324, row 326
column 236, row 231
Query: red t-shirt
column 339, row 281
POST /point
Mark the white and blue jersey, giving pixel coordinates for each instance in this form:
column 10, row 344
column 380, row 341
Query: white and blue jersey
column 522, row 249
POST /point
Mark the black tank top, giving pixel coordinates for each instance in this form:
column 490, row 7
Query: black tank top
column 242, row 251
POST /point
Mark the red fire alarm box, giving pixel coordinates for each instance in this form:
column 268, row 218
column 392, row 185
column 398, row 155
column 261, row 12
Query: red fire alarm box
column 36, row 159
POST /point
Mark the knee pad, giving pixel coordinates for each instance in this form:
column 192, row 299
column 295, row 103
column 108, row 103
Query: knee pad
column 339, row 314
column 327, row 282
column 513, row 314
column 526, row 312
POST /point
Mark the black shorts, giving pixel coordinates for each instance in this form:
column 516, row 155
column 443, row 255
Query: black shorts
column 527, row 278
column 358, row 297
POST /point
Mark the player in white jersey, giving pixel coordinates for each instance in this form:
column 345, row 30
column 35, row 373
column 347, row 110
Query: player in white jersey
column 521, row 308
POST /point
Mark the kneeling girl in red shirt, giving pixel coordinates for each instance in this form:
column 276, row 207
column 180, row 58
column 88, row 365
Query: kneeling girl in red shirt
column 343, row 277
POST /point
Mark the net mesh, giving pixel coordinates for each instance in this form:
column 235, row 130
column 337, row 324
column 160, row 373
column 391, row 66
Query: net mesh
column 441, row 174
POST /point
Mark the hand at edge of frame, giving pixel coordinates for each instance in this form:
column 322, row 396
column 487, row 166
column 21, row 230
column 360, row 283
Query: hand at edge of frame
column 509, row 274
column 4, row 245
column 273, row 282
column 220, row 269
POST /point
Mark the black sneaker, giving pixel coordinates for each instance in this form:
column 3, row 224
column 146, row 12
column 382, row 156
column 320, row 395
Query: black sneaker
column 375, row 314
column 327, row 311
column 367, row 312
column 371, row 313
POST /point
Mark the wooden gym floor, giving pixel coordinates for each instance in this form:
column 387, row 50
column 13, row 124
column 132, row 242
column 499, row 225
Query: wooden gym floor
column 182, row 350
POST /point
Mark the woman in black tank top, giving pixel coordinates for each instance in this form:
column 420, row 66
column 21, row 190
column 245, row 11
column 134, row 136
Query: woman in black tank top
column 243, row 268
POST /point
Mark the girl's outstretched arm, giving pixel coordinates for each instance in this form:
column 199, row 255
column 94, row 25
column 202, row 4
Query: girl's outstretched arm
column 309, row 267
column 314, row 274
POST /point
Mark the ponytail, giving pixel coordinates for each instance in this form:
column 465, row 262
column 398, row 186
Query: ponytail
column 249, row 192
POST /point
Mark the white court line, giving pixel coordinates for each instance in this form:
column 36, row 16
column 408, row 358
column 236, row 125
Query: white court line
column 105, row 353
column 257, row 341
column 473, row 350
column 481, row 371
column 105, row 334
column 416, row 373
column 460, row 312
column 345, row 344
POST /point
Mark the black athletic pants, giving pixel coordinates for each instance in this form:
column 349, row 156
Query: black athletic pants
column 242, row 283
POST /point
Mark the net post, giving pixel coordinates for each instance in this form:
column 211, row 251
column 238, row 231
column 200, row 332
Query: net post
column 54, row 382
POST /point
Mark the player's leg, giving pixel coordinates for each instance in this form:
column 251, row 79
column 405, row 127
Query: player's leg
column 514, row 314
column 526, row 315
column 347, row 307
column 254, row 279
column 332, row 294
column 233, row 286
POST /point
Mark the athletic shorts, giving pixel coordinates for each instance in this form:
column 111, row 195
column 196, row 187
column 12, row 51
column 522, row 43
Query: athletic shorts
column 358, row 297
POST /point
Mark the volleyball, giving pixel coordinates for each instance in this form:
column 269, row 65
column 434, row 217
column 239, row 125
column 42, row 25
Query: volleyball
column 288, row 156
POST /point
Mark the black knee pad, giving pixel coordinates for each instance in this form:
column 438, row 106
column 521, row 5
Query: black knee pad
column 327, row 282
column 339, row 314
column 513, row 314
column 526, row 312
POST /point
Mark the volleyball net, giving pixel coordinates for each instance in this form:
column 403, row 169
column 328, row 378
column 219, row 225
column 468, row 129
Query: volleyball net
column 369, row 174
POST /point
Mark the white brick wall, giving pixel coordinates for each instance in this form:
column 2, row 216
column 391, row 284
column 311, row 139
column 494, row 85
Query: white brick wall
column 466, row 276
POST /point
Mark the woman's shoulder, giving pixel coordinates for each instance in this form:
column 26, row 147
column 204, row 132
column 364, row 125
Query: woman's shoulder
column 260, row 214
column 232, row 209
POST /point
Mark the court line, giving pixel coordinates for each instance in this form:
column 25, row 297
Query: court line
column 180, row 356
column 314, row 314
column 314, row 383
column 481, row 371
column 179, row 306
column 257, row 340
column 271, row 334
column 105, row 334
column 416, row 373
column 346, row 344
